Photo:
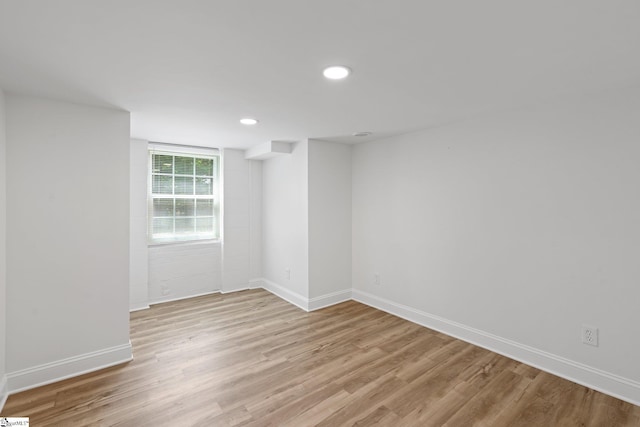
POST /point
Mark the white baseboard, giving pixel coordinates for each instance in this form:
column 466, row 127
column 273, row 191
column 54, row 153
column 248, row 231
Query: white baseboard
column 138, row 307
column 67, row 368
column 307, row 304
column 605, row 382
column 170, row 299
column 4, row 391
column 327, row 300
column 282, row 292
column 236, row 289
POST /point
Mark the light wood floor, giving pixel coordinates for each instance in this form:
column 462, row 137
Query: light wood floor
column 251, row 359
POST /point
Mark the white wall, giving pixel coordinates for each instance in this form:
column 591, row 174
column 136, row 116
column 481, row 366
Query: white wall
column 515, row 229
column 329, row 218
column 189, row 269
column 3, row 253
column 138, row 253
column 255, row 219
column 167, row 272
column 285, row 222
column 306, row 224
column 236, row 224
column 183, row 270
column 236, row 233
column 67, row 239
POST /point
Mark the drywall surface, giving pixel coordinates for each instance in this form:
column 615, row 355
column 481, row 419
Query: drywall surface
column 236, row 237
column 285, row 230
column 167, row 271
column 255, row 219
column 183, row 270
column 521, row 225
column 3, row 252
column 138, row 253
column 67, row 237
column 329, row 218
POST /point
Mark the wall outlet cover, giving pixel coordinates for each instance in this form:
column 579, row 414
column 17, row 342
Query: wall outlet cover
column 376, row 279
column 590, row 335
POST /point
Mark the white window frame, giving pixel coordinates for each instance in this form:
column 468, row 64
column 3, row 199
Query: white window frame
column 183, row 151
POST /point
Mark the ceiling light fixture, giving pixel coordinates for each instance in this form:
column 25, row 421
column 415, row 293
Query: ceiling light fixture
column 336, row 72
column 248, row 121
column 361, row 134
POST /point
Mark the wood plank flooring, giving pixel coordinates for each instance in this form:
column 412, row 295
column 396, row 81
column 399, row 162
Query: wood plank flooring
column 251, row 359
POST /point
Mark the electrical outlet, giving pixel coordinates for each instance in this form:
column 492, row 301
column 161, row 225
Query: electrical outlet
column 590, row 335
column 287, row 273
column 376, row 279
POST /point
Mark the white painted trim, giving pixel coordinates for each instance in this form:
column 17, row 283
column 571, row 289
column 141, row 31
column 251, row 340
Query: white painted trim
column 605, row 382
column 327, row 300
column 138, row 307
column 307, row 304
column 4, row 391
column 160, row 301
column 284, row 293
column 238, row 289
column 66, row 368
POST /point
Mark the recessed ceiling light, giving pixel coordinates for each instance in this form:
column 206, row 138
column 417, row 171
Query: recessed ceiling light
column 361, row 134
column 248, row 121
column 336, row 72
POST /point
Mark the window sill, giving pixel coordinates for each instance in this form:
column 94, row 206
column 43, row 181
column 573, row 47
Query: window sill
column 184, row 243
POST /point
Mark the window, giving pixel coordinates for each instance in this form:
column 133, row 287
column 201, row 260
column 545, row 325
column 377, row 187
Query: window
column 184, row 200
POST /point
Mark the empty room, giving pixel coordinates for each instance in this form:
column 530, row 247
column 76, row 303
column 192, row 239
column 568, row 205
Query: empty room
column 337, row 213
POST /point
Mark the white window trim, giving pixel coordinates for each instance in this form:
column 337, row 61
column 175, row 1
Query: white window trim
column 202, row 152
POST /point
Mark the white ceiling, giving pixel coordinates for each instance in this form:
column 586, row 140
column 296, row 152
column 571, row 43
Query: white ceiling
column 188, row 70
